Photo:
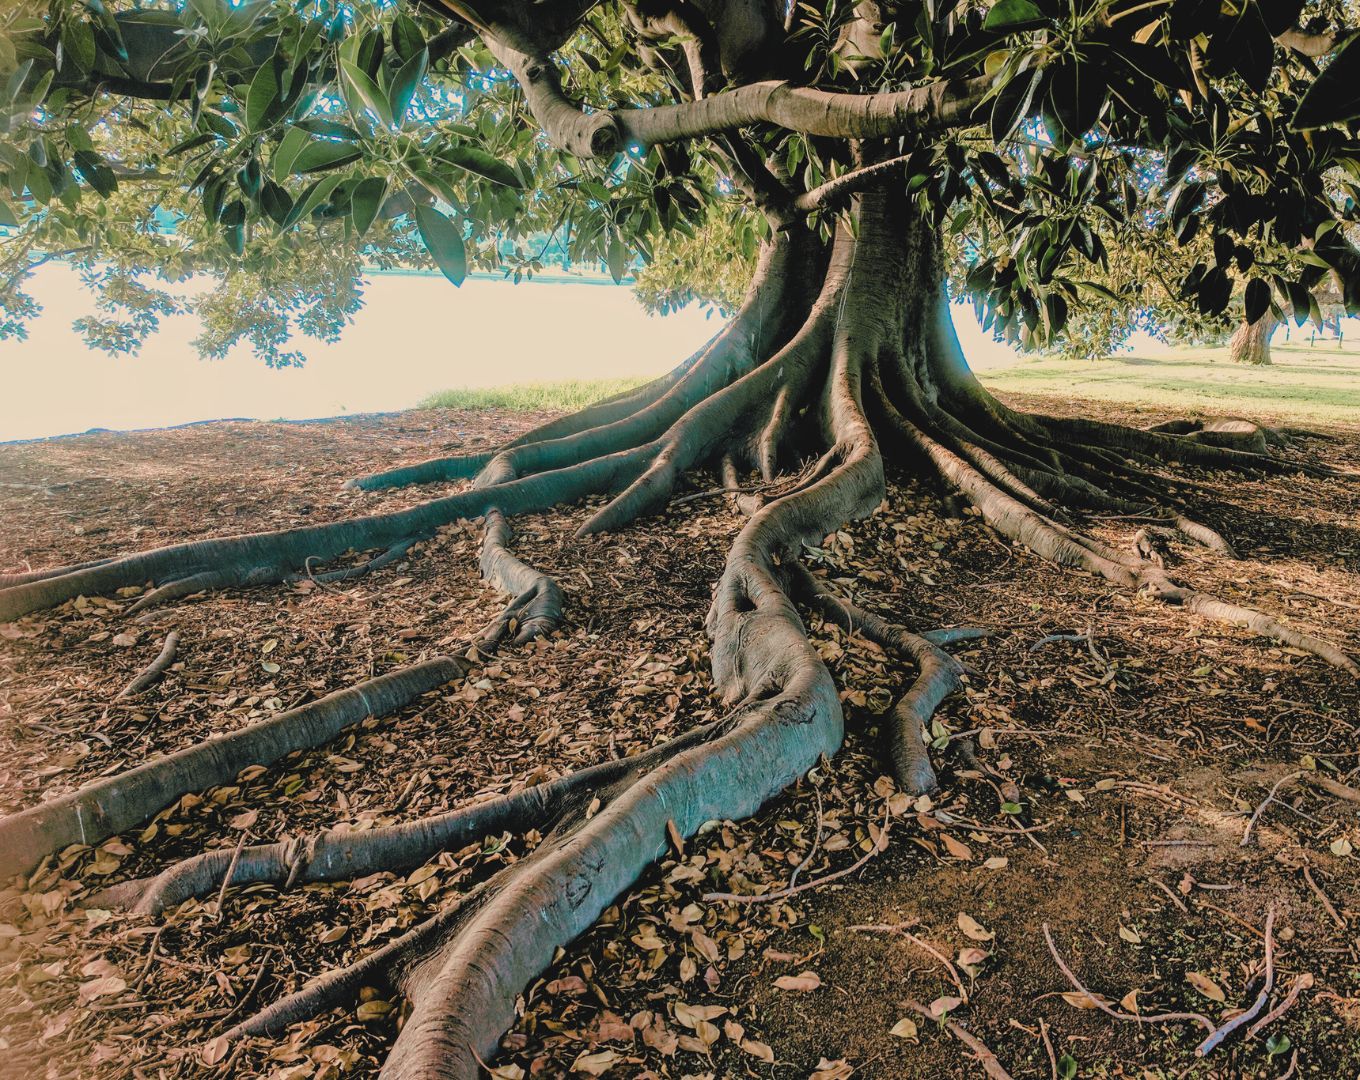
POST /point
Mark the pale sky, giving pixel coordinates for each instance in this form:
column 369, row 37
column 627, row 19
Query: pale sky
column 416, row 335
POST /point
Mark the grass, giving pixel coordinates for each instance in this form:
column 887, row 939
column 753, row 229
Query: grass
column 531, row 397
column 1303, row 383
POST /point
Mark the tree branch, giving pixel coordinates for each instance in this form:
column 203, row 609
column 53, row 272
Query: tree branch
column 941, row 104
column 847, row 184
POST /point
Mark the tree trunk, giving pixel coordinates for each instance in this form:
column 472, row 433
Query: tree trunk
column 843, row 354
column 1250, row 343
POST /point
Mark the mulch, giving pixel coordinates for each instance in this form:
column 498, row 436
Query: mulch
column 1132, row 755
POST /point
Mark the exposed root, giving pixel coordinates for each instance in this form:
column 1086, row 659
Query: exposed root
column 991, row 1065
column 115, row 803
column 787, row 381
column 386, row 558
column 154, row 670
column 24, row 577
column 536, row 603
column 180, row 588
column 939, row 676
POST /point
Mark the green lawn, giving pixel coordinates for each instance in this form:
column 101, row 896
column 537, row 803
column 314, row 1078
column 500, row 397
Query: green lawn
column 1319, row 383
column 530, row 397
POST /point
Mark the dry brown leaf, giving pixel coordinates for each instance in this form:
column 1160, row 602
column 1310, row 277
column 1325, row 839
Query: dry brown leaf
column 595, row 1064
column 904, row 1029
column 973, row 928
column 1205, row 985
column 807, row 980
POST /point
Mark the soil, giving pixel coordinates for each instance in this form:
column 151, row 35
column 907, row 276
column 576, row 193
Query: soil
column 1131, row 752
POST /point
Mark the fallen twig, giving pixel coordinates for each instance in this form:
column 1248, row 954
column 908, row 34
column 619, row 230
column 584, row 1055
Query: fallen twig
column 1103, row 1007
column 1246, row 836
column 1174, row 898
column 1245, row 1017
column 785, row 893
column 1322, row 897
column 1048, row 1046
column 889, row 928
column 153, row 670
column 231, row 873
column 990, row 1065
column 1048, row 639
column 1332, row 787
column 1302, row 982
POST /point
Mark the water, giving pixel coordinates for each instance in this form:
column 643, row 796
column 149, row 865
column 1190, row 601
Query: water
column 416, row 335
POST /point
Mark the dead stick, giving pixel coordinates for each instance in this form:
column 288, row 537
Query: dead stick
column 784, row 894
column 1333, row 787
column 1246, row 836
column 153, row 670
column 990, row 1065
column 1242, row 1018
column 1302, row 982
column 921, row 944
column 231, row 872
column 1100, row 1004
column 1322, row 896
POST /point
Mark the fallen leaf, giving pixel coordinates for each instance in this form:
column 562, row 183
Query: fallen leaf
column 840, row 1069
column 105, row 986
column 214, row 1050
column 904, row 1029
column 595, row 1064
column 1130, row 935
column 1205, row 986
column 808, row 980
column 957, row 848
column 758, row 1050
column 973, row 928
column 942, row 1005
column 1079, row 1000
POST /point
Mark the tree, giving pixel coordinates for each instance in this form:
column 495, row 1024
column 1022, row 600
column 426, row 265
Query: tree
column 862, row 142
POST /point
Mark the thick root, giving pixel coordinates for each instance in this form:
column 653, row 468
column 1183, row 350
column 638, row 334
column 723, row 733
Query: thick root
column 939, row 676
column 109, row 806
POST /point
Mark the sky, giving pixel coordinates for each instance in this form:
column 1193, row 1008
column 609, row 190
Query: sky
column 416, row 335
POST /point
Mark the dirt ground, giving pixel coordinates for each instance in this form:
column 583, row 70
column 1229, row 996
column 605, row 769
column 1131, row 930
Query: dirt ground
column 1098, row 783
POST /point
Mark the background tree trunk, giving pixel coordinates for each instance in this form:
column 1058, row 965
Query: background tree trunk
column 1250, row 343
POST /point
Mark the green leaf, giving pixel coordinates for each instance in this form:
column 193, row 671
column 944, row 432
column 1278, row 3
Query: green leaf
column 444, row 241
column 480, row 162
column 313, row 197
column 319, row 155
column 7, row 217
column 1334, row 96
column 262, row 97
column 405, row 83
column 276, row 202
column 288, row 149
column 77, row 42
column 319, row 125
column 367, row 201
column 406, row 37
column 1257, row 300
column 1013, row 104
column 617, row 258
column 362, row 93
column 1067, row 1067
column 94, row 172
column 1012, row 16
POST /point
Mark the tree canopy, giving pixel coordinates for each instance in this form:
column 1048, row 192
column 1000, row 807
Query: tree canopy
column 281, row 146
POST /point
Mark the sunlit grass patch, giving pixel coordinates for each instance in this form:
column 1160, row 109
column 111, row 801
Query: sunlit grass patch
column 529, row 397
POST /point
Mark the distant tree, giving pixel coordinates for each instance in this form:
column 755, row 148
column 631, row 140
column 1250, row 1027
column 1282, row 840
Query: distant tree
column 859, row 149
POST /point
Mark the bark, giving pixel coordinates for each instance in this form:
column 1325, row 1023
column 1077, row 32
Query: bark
column 844, row 355
column 1250, row 343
